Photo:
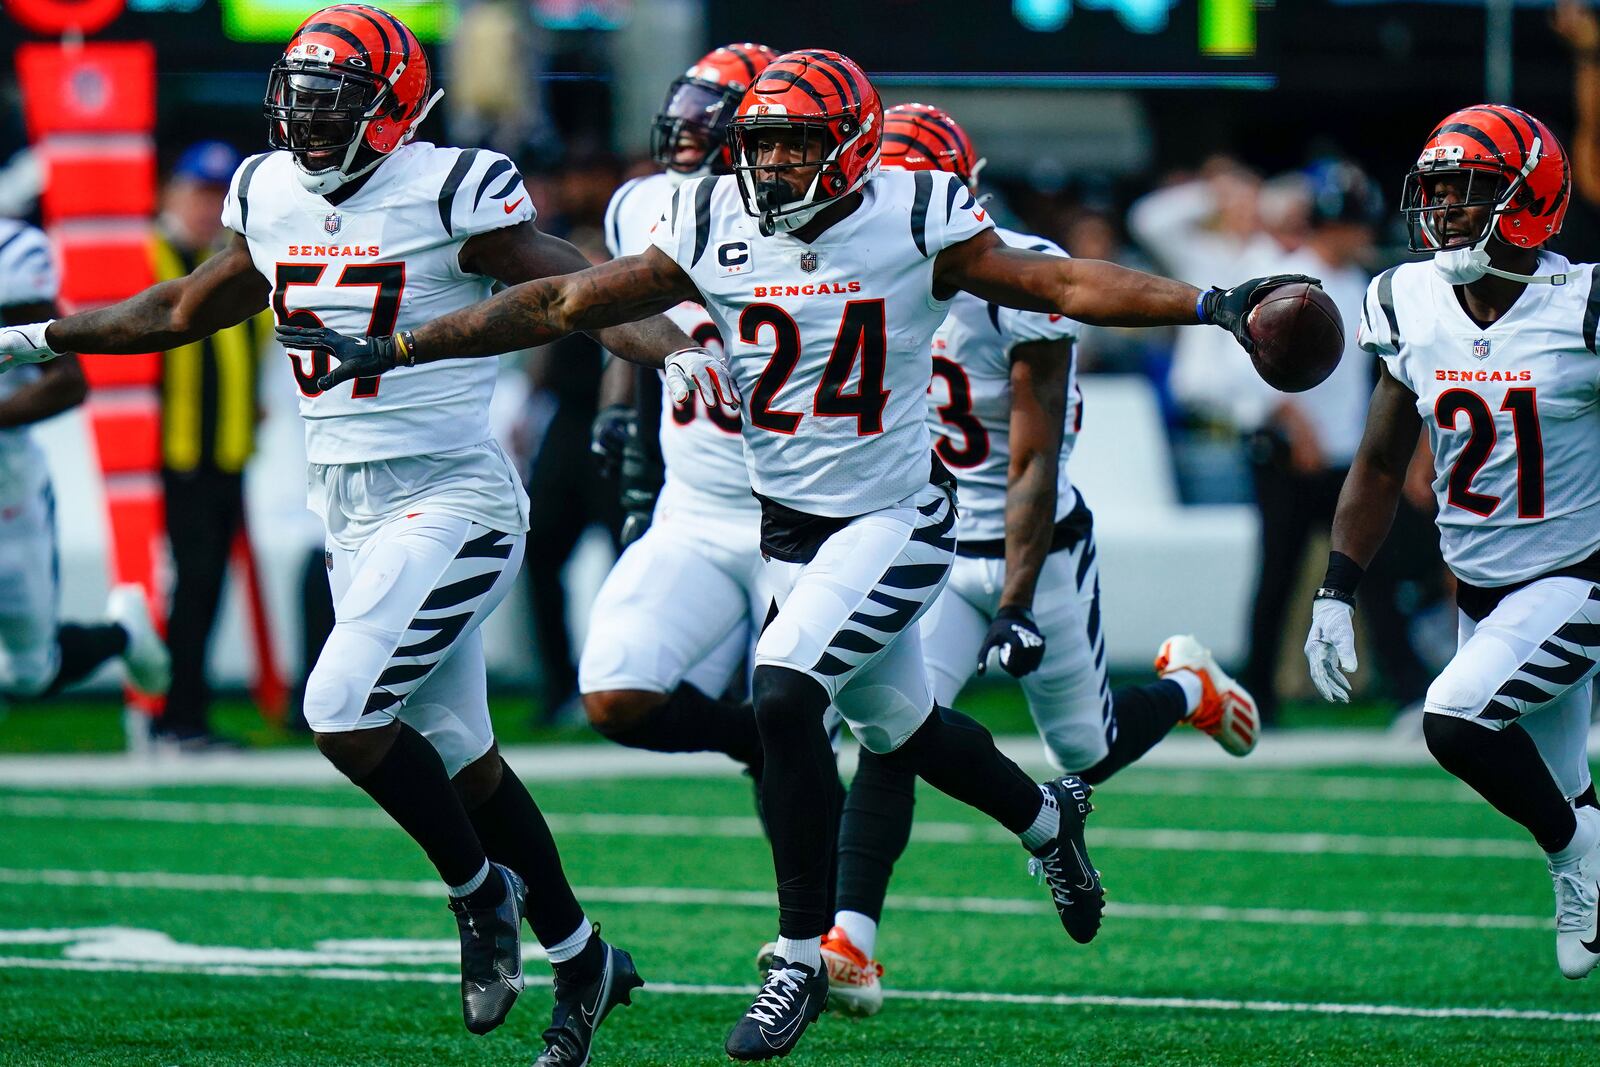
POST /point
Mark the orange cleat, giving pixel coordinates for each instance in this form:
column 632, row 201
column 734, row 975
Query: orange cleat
column 1226, row 712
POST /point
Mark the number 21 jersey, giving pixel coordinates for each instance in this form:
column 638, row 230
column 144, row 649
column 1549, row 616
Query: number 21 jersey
column 385, row 259
column 829, row 341
column 1512, row 411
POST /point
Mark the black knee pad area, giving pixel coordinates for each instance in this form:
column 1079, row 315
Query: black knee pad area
column 1450, row 738
column 787, row 702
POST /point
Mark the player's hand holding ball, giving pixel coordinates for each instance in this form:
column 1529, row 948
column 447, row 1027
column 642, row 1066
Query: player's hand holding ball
column 700, row 370
column 24, row 344
column 1290, row 327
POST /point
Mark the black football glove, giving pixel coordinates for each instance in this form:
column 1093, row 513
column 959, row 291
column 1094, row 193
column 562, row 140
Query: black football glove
column 1230, row 308
column 639, row 478
column 609, row 435
column 1016, row 637
column 359, row 357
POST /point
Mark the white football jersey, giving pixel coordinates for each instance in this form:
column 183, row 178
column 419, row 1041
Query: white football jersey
column 1512, row 411
column 386, row 259
column 969, row 408
column 702, row 449
column 830, row 342
column 27, row 276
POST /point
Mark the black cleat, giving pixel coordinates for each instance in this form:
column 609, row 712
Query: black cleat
column 582, row 1006
column 1063, row 864
column 491, row 955
column 790, row 999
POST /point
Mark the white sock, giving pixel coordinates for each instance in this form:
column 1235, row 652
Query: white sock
column 572, row 945
column 466, row 888
column 1046, row 825
column 1583, row 839
column 860, row 929
column 1192, row 689
column 807, row 951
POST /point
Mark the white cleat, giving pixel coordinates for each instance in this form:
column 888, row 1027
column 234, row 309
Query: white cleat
column 1577, row 887
column 1226, row 712
column 853, row 985
column 149, row 667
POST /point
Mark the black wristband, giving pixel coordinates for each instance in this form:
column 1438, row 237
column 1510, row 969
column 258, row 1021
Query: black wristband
column 1344, row 575
column 1018, row 613
column 405, row 349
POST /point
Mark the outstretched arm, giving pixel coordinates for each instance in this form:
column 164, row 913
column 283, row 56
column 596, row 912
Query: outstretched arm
column 223, row 291
column 537, row 312
column 1092, row 291
column 524, row 253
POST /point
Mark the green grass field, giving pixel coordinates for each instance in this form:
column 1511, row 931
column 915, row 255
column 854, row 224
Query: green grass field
column 1341, row 915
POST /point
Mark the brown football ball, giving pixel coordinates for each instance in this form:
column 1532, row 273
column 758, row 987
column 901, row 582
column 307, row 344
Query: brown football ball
column 1299, row 337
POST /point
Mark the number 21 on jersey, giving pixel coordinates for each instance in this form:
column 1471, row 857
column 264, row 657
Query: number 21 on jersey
column 388, row 280
column 1523, row 404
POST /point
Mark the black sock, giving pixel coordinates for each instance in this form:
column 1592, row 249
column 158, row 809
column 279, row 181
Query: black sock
column 956, row 755
column 585, row 965
column 799, row 791
column 83, row 648
column 873, row 833
column 1586, row 799
column 1505, row 767
column 514, row 833
column 411, row 785
column 690, row 721
column 1143, row 714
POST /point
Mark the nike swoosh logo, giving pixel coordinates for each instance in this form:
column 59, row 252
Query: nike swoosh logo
column 513, row 205
column 1083, row 869
column 1593, row 944
column 980, row 215
column 591, row 1015
column 776, row 1038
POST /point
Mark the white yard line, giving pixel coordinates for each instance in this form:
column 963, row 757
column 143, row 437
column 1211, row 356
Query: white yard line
column 1184, row 750
column 735, row 826
column 1063, row 1000
column 664, row 895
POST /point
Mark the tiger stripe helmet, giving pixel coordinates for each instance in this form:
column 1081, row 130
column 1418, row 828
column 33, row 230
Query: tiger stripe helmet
column 831, row 103
column 1514, row 165
column 352, row 86
column 689, row 133
column 924, row 137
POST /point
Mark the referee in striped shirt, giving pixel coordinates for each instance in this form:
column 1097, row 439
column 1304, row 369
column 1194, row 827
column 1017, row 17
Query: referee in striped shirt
column 208, row 425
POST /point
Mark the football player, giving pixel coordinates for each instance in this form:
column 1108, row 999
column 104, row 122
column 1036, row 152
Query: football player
column 827, row 279
column 1491, row 349
column 1024, row 590
column 41, row 655
column 673, row 622
column 352, row 223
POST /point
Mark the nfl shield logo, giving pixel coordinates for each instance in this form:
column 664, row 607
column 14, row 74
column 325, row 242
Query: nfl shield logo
column 1480, row 348
column 808, row 261
column 333, row 222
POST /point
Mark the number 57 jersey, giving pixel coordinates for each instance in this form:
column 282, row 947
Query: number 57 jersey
column 385, row 259
column 829, row 341
column 1512, row 411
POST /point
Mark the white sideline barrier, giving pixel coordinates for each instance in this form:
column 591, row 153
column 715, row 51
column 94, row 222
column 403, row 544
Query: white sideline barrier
column 1165, row 568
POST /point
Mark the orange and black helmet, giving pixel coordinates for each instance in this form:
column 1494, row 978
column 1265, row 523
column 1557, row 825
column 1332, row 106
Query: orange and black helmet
column 689, row 130
column 924, row 137
column 1513, row 164
column 351, row 86
column 830, row 103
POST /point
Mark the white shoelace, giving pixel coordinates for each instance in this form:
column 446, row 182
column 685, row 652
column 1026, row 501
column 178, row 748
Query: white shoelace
column 1047, row 870
column 777, row 995
column 1575, row 899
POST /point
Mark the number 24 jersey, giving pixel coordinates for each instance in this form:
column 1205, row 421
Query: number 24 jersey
column 1512, row 411
column 828, row 341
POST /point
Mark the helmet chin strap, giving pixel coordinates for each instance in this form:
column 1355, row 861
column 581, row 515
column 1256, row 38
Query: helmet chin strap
column 331, row 179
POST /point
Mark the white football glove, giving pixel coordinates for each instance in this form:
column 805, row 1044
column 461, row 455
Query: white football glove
column 1331, row 648
column 24, row 344
column 701, row 370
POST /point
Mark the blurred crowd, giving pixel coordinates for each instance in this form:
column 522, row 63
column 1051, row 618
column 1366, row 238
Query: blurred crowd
column 1233, row 439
